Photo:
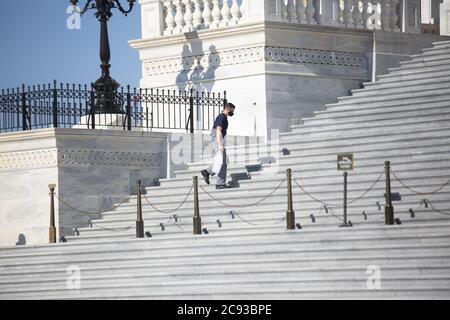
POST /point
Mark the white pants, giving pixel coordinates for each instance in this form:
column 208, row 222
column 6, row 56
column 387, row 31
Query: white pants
column 219, row 166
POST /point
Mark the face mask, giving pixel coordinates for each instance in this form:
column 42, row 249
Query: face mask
column 231, row 113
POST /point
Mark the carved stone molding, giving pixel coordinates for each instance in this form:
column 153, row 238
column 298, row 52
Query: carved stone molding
column 49, row 158
column 207, row 61
column 28, row 159
column 241, row 56
column 301, row 56
column 107, row 158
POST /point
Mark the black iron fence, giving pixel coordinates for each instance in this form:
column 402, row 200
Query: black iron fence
column 70, row 106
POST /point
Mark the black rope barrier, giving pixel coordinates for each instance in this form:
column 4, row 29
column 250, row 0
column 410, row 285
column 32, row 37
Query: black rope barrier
column 92, row 213
column 330, row 206
column 119, row 229
column 427, row 203
column 258, row 224
column 169, row 211
column 243, row 205
column 417, row 192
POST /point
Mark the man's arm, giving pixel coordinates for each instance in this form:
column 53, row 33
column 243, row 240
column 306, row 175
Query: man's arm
column 219, row 138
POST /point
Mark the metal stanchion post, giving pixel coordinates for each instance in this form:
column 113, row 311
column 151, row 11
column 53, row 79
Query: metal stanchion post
column 139, row 220
column 388, row 209
column 290, row 214
column 345, row 224
column 197, row 219
column 52, row 229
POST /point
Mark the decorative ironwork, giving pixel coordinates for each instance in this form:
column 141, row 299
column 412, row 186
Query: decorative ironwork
column 105, row 86
column 68, row 106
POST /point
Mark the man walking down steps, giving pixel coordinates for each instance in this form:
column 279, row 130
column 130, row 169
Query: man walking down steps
column 218, row 134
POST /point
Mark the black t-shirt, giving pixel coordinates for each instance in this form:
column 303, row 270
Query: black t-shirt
column 221, row 121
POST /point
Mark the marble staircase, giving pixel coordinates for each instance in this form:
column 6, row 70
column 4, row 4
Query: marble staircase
column 246, row 251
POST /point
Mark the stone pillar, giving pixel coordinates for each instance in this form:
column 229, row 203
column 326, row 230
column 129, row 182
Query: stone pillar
column 426, row 12
column 445, row 18
column 327, row 14
column 152, row 16
column 169, row 18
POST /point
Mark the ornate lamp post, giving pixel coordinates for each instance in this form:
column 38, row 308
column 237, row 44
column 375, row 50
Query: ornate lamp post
column 106, row 86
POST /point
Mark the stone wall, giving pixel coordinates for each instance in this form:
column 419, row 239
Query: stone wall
column 92, row 170
column 274, row 71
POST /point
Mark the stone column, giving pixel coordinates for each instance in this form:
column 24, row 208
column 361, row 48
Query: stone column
column 357, row 15
column 152, row 17
column 385, row 14
column 207, row 12
column 226, row 14
column 310, row 10
column 189, row 15
column 169, row 18
column 216, row 14
column 235, row 12
column 328, row 10
column 179, row 16
column 348, row 17
column 445, row 18
column 197, row 17
column 393, row 18
column 291, row 11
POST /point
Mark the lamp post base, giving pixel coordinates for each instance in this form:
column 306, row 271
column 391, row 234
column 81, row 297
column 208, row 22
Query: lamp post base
column 106, row 98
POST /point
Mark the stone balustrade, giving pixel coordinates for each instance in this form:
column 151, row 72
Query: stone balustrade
column 189, row 15
column 172, row 17
column 368, row 14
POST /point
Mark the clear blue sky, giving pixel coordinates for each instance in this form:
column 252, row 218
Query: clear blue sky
column 37, row 47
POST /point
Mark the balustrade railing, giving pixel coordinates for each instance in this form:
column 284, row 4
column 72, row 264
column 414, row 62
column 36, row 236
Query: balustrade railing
column 189, row 15
column 179, row 16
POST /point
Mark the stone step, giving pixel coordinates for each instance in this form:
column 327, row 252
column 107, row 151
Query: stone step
column 386, row 80
column 396, row 288
column 229, row 280
column 357, row 147
column 278, row 270
column 377, row 85
column 420, row 117
column 362, row 109
column 312, row 238
column 266, row 188
column 433, row 56
column 419, row 152
column 275, row 208
column 208, row 250
column 393, row 139
column 412, row 293
column 370, row 104
column 441, row 89
column 372, row 124
column 269, row 218
column 429, row 53
column 275, row 204
column 438, row 45
column 423, row 62
column 328, row 174
column 384, row 140
column 405, row 137
column 330, row 160
column 343, row 264
column 436, row 83
column 381, row 155
column 236, row 228
column 415, row 175
column 413, row 72
column 417, row 68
